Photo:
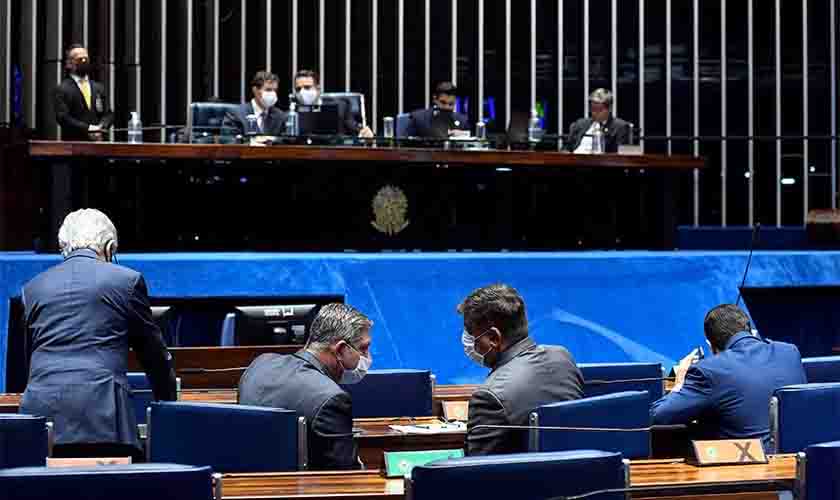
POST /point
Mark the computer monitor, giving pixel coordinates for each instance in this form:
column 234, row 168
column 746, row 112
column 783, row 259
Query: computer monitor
column 322, row 122
column 274, row 324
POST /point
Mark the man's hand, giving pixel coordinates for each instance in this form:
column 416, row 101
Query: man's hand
column 366, row 133
column 682, row 368
column 94, row 129
column 459, row 133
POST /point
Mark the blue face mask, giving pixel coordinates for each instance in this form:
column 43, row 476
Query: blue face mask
column 468, row 341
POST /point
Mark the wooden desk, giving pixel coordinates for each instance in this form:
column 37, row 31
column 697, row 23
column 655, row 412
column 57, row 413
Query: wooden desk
column 708, row 483
column 377, row 437
column 330, row 189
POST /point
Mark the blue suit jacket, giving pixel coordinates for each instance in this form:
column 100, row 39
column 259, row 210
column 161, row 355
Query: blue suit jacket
column 420, row 123
column 81, row 317
column 729, row 393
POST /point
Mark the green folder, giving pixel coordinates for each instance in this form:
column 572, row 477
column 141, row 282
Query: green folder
column 400, row 463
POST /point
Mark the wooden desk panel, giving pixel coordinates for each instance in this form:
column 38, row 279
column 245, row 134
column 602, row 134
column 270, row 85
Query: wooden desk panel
column 46, row 149
column 706, row 483
column 365, row 485
column 377, row 437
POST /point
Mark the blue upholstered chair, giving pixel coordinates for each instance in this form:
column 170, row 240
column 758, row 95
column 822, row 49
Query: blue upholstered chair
column 403, row 121
column 229, row 438
column 393, row 393
column 141, row 393
column 228, row 330
column 108, row 482
column 355, row 102
column 623, row 410
column 609, row 378
column 821, row 370
column 822, row 461
column 802, row 415
column 523, row 476
column 25, row 440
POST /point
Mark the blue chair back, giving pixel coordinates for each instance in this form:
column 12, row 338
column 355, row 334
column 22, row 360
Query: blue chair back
column 228, row 330
column 108, row 482
column 393, row 393
column 403, row 121
column 25, row 440
column 142, row 395
column 211, row 114
column 609, row 378
column 624, row 410
column 228, row 438
column 802, row 415
column 523, row 476
column 822, row 461
column 355, row 102
column 822, row 370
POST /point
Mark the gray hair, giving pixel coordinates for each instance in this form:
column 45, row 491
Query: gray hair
column 337, row 322
column 601, row 96
column 86, row 228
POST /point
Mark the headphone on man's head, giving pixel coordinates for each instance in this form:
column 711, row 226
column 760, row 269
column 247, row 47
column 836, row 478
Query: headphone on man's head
column 109, row 251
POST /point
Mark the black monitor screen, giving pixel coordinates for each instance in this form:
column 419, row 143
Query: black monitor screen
column 323, row 122
column 274, row 324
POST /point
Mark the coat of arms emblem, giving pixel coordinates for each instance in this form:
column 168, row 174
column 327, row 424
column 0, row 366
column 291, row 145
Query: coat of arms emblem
column 390, row 207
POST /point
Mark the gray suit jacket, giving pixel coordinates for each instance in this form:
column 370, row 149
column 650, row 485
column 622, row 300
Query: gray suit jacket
column 81, row 317
column 526, row 376
column 616, row 131
column 300, row 382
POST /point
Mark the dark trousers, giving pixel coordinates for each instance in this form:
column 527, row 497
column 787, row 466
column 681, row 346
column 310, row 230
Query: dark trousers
column 81, row 450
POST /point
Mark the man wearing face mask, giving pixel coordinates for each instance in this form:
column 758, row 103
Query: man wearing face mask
column 616, row 131
column 523, row 375
column 81, row 106
column 441, row 120
column 728, row 393
column 307, row 87
column 338, row 352
column 270, row 120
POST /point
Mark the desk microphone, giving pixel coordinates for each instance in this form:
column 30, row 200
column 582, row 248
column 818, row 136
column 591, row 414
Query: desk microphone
column 753, row 241
column 625, row 380
column 558, row 428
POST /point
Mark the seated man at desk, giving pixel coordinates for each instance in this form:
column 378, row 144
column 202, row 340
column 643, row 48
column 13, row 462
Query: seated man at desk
column 615, row 130
column 269, row 119
column 523, row 375
column 307, row 97
column 729, row 393
column 441, row 120
column 338, row 352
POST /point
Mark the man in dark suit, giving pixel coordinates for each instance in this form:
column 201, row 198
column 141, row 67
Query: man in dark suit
column 81, row 105
column 523, row 375
column 81, row 317
column 615, row 130
column 729, row 393
column 307, row 87
column 307, row 382
column 441, row 120
column 270, row 120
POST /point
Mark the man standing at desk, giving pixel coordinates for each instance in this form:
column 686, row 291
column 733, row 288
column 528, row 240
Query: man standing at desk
column 441, row 120
column 729, row 393
column 81, row 317
column 270, row 120
column 307, row 87
column 81, row 106
column 338, row 352
column 523, row 375
column 615, row 130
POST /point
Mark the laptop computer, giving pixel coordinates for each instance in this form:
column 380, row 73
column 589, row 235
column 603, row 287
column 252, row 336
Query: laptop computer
column 321, row 122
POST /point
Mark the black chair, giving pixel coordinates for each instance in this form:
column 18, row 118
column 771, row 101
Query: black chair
column 354, row 101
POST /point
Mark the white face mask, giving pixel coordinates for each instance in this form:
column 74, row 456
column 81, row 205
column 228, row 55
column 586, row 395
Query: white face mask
column 269, row 98
column 308, row 96
column 468, row 341
column 354, row 376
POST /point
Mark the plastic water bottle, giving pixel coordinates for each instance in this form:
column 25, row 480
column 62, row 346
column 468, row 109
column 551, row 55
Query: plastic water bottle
column 292, row 123
column 534, row 129
column 597, row 139
column 135, row 128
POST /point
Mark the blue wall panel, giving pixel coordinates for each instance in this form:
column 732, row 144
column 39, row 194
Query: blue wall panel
column 603, row 306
